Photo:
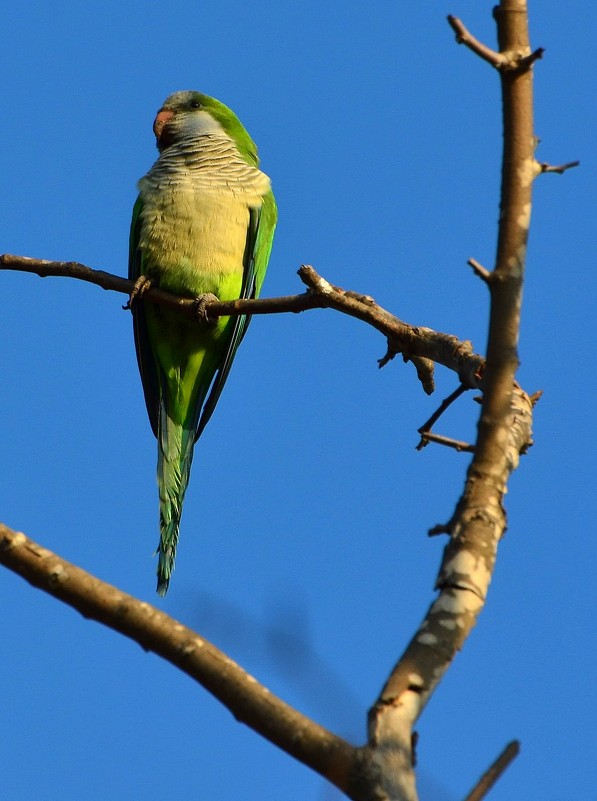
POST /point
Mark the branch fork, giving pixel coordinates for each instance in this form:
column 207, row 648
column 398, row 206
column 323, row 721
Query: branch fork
column 383, row 768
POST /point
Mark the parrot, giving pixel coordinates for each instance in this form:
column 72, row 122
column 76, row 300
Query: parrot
column 202, row 226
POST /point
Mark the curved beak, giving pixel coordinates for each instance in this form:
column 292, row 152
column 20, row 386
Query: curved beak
column 161, row 119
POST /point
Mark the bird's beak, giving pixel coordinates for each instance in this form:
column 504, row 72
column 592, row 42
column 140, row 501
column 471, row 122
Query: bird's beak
column 158, row 124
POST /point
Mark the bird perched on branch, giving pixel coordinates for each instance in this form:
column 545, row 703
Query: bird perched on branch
column 203, row 225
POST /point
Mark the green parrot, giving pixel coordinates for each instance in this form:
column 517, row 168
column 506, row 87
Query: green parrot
column 203, row 224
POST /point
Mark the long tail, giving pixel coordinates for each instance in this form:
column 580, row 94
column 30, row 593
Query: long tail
column 175, row 454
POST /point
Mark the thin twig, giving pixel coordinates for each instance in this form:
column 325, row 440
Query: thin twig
column 507, row 61
column 445, row 404
column 479, row 270
column 439, row 439
column 559, row 168
column 439, row 528
column 493, row 773
column 526, row 62
column 465, row 37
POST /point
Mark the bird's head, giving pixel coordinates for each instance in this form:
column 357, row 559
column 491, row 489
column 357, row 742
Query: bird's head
column 191, row 114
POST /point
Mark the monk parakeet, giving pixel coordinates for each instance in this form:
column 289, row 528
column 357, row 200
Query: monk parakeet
column 203, row 223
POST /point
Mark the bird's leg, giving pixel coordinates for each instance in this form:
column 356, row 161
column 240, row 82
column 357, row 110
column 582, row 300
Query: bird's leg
column 142, row 284
column 201, row 310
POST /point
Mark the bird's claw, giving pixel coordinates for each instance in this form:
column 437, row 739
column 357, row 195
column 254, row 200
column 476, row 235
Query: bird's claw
column 201, row 304
column 142, row 284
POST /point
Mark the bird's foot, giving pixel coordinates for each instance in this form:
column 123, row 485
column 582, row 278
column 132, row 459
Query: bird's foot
column 201, row 310
column 142, row 284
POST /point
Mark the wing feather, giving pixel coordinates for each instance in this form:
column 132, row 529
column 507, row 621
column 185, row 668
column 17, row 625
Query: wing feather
column 260, row 234
column 145, row 357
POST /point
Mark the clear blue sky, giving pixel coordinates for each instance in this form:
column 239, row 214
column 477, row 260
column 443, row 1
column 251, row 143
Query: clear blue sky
column 308, row 507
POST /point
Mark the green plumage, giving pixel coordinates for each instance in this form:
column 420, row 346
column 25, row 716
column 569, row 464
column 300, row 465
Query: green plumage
column 203, row 222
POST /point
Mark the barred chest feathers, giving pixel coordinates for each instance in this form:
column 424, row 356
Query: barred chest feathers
column 196, row 202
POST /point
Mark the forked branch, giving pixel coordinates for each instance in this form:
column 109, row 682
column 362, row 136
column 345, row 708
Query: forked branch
column 504, row 428
column 383, row 769
column 423, row 346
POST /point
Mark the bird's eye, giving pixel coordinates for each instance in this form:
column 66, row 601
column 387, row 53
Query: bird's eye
column 195, row 104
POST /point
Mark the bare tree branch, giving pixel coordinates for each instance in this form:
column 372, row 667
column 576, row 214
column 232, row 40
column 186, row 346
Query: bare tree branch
column 465, row 37
column 449, row 442
column 155, row 631
column 383, row 769
column 479, row 270
column 559, row 168
column 423, row 346
column 504, row 428
column 425, row 429
column 494, row 771
column 505, row 59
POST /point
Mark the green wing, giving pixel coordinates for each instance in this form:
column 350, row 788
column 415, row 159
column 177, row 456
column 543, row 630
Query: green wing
column 145, row 357
column 260, row 235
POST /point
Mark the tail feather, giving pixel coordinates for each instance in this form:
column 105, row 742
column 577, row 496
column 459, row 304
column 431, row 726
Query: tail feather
column 175, row 454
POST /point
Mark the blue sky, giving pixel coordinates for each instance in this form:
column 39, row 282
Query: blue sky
column 304, row 551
